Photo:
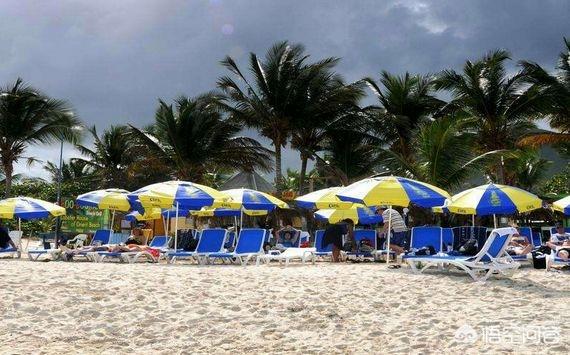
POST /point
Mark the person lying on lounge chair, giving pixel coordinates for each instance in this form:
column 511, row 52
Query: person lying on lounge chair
column 287, row 237
column 519, row 245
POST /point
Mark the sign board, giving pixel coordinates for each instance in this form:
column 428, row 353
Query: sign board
column 82, row 219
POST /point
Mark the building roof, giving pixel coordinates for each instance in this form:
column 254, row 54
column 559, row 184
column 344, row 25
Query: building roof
column 248, row 180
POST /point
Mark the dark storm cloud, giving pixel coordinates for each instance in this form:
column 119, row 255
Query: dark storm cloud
column 113, row 59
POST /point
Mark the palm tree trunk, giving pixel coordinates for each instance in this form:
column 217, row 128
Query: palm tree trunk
column 278, row 172
column 8, row 172
column 303, row 173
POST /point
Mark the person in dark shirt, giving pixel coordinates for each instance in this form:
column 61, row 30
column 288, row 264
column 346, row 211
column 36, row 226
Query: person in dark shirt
column 333, row 235
column 5, row 240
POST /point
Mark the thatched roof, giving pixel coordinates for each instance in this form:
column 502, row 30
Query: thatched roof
column 248, row 180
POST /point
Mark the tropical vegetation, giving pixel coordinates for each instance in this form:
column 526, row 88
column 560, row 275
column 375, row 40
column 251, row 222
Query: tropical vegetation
column 452, row 129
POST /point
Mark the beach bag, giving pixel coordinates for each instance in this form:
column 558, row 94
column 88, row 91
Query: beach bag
column 305, row 244
column 348, row 246
column 365, row 246
column 538, row 260
column 469, row 247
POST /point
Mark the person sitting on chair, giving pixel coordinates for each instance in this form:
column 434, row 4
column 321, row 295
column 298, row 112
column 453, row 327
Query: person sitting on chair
column 5, row 240
column 287, row 236
column 559, row 238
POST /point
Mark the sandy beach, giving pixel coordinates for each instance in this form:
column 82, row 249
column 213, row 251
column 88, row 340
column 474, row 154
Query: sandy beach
column 350, row 308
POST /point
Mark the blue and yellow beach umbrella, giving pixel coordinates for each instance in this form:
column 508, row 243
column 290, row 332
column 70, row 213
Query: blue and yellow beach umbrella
column 253, row 200
column 493, row 199
column 562, row 205
column 322, row 199
column 180, row 193
column 108, row 199
column 393, row 191
column 358, row 213
column 29, row 208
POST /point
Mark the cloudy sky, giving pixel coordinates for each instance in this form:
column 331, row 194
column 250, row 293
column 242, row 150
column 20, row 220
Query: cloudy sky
column 113, row 59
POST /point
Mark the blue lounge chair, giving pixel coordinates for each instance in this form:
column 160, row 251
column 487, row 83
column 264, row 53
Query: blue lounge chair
column 490, row 259
column 425, row 237
column 211, row 241
column 16, row 237
column 554, row 259
column 249, row 246
column 447, row 239
column 321, row 252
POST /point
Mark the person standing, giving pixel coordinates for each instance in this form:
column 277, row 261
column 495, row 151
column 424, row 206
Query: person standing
column 333, row 235
column 397, row 225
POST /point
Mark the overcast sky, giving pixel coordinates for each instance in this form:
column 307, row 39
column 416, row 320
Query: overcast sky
column 112, row 60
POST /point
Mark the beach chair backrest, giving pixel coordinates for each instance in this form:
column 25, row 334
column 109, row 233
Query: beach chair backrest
column 536, row 239
column 159, row 242
column 16, row 237
column 426, row 236
column 527, row 232
column 361, row 234
column 319, row 242
column 101, row 236
column 553, row 230
column 250, row 241
column 446, row 238
column 211, row 240
column 496, row 244
column 230, row 239
column 268, row 235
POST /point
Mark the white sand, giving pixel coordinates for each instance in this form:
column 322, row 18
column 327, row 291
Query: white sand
column 350, row 308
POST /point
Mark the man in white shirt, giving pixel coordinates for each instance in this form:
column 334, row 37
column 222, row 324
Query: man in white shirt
column 560, row 242
column 397, row 225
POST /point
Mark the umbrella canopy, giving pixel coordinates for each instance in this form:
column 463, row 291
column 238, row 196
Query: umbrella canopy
column 226, row 212
column 182, row 193
column 325, row 198
column 29, row 208
column 493, row 199
column 393, row 191
column 149, row 214
column 562, row 205
column 358, row 213
column 108, row 199
column 254, row 200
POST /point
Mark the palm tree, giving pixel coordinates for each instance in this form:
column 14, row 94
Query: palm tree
column 348, row 155
column 28, row 117
column 111, row 157
column 328, row 103
column 442, row 154
column 526, row 169
column 193, row 137
column 70, row 171
column 274, row 95
column 500, row 108
column 557, row 88
column 405, row 103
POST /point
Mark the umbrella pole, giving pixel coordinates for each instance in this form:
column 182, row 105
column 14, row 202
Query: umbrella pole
column 235, row 232
column 176, row 229
column 388, row 236
column 473, row 220
column 495, row 220
column 167, row 229
column 112, row 222
column 240, row 219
